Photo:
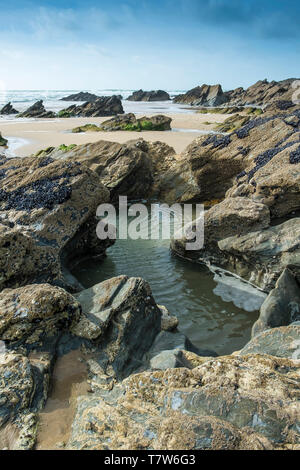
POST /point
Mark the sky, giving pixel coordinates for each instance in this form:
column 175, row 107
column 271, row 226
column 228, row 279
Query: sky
column 132, row 44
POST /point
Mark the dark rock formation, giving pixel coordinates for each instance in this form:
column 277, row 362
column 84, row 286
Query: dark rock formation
column 8, row 109
column 82, row 96
column 158, row 95
column 3, row 142
column 37, row 110
column 205, row 95
column 129, row 122
column 103, row 106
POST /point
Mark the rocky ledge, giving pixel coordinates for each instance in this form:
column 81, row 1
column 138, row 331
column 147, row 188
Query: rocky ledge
column 141, row 95
column 82, row 96
column 129, row 122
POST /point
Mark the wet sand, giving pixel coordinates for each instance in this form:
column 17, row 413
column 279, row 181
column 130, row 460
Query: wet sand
column 35, row 135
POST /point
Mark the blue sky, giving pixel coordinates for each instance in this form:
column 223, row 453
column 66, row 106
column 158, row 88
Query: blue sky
column 169, row 44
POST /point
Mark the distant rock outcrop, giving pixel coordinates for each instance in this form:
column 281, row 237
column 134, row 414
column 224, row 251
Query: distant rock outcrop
column 8, row 109
column 37, row 110
column 157, row 95
column 82, row 96
column 205, row 95
column 103, row 106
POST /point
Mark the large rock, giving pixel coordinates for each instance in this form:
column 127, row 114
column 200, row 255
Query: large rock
column 8, row 109
column 281, row 307
column 47, row 211
column 226, row 403
column 122, row 318
column 34, row 312
column 82, row 96
column 158, row 95
column 280, row 342
column 3, row 142
column 205, row 95
column 129, row 122
column 37, row 110
column 103, row 106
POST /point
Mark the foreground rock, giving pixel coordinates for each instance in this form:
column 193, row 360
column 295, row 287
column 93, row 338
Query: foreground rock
column 37, row 110
column 82, row 96
column 205, row 95
column 226, row 403
column 279, row 342
column 8, row 109
column 158, row 95
column 281, row 307
column 103, row 106
column 47, row 211
column 129, row 122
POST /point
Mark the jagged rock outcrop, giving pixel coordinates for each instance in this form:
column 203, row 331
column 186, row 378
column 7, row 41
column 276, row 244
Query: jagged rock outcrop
column 8, row 109
column 37, row 110
column 279, row 342
column 281, row 307
column 129, row 122
column 205, row 95
column 81, row 96
column 226, row 403
column 141, row 95
column 102, row 106
column 47, row 211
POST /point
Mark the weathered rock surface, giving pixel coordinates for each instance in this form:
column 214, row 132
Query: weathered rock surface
column 32, row 313
column 82, row 96
column 205, row 95
column 8, row 109
column 158, row 95
column 129, row 122
column 280, row 342
column 102, row 106
column 231, row 402
column 281, row 307
column 47, row 211
column 37, row 110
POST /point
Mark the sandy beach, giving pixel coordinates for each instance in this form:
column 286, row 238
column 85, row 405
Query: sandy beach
column 29, row 136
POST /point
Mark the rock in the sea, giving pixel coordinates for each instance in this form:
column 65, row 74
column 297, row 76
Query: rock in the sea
column 158, row 95
column 281, row 307
column 230, row 402
column 82, row 96
column 122, row 318
column 34, row 312
column 8, row 109
column 37, row 110
column 3, row 142
column 102, row 106
column 280, row 342
column 47, row 211
column 205, row 95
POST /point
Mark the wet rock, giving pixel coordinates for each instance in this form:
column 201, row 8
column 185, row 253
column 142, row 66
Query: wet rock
column 158, row 95
column 102, row 106
column 82, row 96
column 122, row 318
column 168, row 322
column 8, row 109
column 226, row 403
column 37, row 110
column 280, row 342
column 34, row 312
column 281, row 307
column 47, row 211
column 205, row 95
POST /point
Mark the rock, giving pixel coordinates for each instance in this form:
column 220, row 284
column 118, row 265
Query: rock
column 102, row 106
column 168, row 322
column 158, row 95
column 167, row 341
column 47, row 220
column 281, row 307
column 3, row 142
column 231, row 402
column 128, row 122
column 8, row 109
column 167, row 360
column 262, row 256
column 205, row 95
column 280, row 342
column 37, row 110
column 82, row 96
column 34, row 312
column 121, row 316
